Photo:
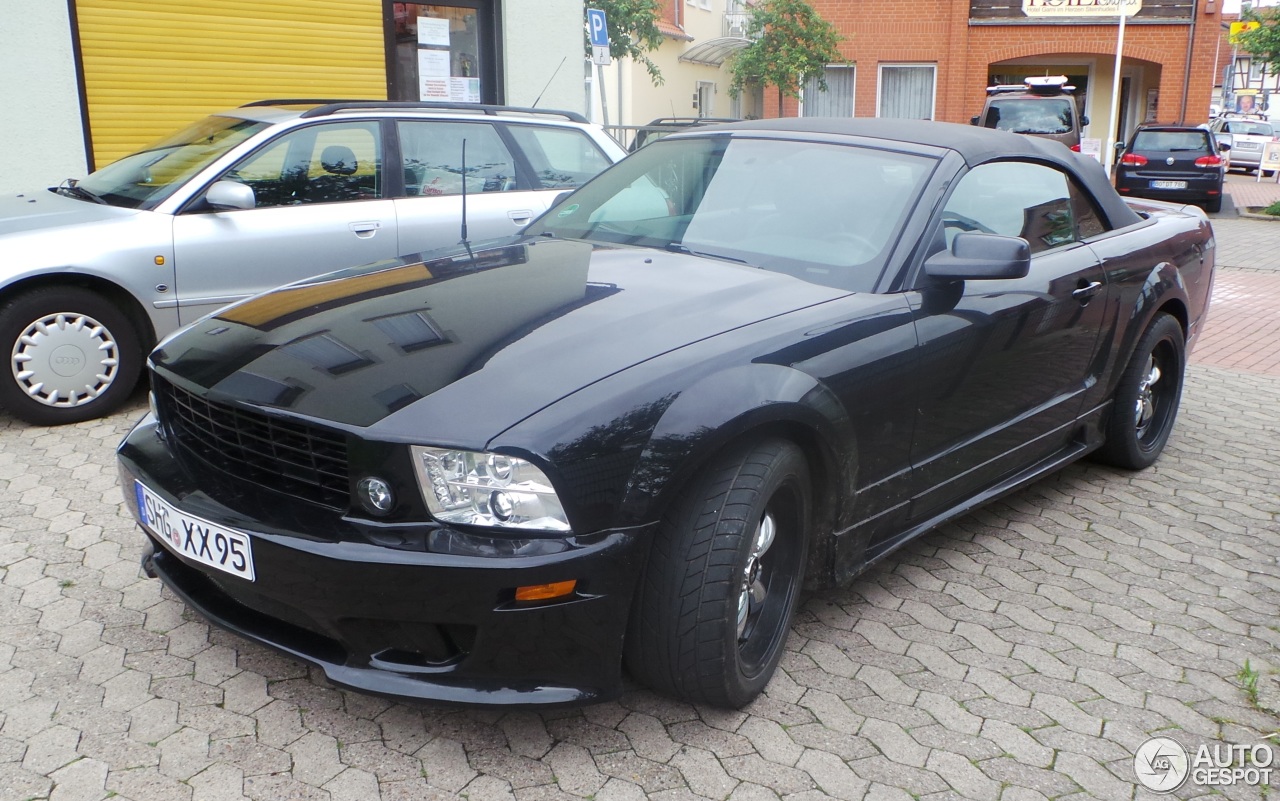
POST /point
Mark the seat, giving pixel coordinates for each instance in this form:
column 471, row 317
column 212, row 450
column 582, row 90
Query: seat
column 337, row 184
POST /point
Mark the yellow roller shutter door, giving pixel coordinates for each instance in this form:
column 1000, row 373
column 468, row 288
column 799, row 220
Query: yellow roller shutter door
column 152, row 67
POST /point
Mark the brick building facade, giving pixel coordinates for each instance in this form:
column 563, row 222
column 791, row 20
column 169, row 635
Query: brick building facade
column 1168, row 63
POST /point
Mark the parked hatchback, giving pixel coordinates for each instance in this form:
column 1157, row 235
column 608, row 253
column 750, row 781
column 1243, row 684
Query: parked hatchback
column 1173, row 163
column 97, row 270
column 1248, row 136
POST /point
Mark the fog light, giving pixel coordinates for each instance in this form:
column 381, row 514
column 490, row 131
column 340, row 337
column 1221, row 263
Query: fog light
column 545, row 592
column 376, row 496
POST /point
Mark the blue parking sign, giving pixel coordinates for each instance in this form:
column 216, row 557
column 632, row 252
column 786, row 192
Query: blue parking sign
column 596, row 24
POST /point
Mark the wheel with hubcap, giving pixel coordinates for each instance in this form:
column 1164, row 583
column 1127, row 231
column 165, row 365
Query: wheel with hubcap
column 73, row 356
column 717, row 597
column 1146, row 400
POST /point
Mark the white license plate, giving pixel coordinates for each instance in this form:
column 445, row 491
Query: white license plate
column 1248, row 145
column 1168, row 184
column 200, row 540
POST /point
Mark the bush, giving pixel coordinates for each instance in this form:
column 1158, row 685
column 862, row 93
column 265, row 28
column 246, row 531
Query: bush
column 1273, row 209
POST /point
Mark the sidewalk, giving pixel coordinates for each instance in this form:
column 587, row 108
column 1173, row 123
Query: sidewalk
column 1243, row 331
column 1247, row 190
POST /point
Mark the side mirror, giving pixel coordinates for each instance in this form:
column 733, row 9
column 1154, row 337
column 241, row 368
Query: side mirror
column 1084, row 120
column 1119, row 146
column 1223, row 147
column 973, row 120
column 978, row 257
column 230, row 195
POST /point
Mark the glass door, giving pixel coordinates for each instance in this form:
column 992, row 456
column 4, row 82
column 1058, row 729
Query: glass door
column 444, row 53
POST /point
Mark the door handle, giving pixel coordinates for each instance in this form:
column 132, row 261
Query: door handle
column 520, row 216
column 1087, row 291
column 365, row 229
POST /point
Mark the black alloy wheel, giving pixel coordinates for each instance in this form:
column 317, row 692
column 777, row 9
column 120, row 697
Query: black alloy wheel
column 1146, row 400
column 716, row 600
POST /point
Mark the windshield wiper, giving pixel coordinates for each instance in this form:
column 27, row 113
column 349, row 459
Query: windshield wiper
column 70, row 189
column 676, row 247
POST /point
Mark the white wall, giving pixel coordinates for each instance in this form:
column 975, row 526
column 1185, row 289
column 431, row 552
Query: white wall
column 539, row 38
column 40, row 133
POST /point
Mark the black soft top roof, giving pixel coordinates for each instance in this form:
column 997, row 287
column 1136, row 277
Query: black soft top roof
column 974, row 144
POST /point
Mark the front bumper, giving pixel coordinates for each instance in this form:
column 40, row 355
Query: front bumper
column 396, row 622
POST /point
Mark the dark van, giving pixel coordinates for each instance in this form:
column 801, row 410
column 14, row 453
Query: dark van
column 1042, row 106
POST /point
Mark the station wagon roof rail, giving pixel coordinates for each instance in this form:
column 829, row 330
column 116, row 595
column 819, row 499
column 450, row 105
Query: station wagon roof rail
column 328, row 107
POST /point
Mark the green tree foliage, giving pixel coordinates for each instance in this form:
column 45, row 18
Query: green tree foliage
column 790, row 44
column 1262, row 42
column 633, row 31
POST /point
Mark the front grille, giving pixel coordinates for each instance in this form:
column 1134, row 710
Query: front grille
column 297, row 459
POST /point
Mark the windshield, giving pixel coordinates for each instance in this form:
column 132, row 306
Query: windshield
column 825, row 213
column 1031, row 116
column 149, row 176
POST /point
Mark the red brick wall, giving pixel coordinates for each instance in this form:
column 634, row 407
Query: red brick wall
column 938, row 31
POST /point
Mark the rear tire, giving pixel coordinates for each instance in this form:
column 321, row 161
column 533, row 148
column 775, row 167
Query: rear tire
column 716, row 600
column 1146, row 400
column 72, row 356
column 1213, row 205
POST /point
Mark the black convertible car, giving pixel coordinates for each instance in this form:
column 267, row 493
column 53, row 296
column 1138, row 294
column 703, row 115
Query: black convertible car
column 744, row 359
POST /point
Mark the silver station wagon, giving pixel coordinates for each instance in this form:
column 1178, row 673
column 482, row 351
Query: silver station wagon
column 97, row 270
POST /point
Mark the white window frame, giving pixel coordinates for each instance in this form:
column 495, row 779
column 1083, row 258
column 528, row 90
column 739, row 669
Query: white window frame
column 705, row 5
column 933, row 100
column 854, row 69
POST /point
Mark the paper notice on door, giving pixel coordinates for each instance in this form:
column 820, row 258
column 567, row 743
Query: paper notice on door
column 433, row 63
column 464, row 90
column 433, row 31
column 433, row 89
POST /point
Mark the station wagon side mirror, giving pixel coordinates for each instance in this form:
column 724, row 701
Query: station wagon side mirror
column 230, row 195
column 973, row 120
column 1084, row 120
column 977, row 257
column 1119, row 146
column 1223, row 147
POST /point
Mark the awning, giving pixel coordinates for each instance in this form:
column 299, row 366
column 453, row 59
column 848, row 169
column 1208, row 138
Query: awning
column 713, row 52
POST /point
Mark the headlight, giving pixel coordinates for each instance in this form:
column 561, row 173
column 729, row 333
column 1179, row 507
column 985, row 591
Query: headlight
column 486, row 489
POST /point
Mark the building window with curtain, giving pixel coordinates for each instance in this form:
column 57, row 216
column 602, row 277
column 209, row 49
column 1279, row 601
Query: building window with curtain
column 836, row 101
column 907, row 91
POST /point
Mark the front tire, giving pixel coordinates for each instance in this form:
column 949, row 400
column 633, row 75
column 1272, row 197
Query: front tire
column 717, row 597
column 73, row 356
column 1146, row 400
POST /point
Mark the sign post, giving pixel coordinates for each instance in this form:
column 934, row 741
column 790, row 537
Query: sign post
column 1061, row 9
column 598, row 30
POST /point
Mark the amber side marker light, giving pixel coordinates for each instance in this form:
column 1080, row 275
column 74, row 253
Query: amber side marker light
column 545, row 592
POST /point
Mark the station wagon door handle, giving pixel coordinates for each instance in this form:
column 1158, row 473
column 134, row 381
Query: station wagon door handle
column 365, row 229
column 520, row 216
column 1088, row 291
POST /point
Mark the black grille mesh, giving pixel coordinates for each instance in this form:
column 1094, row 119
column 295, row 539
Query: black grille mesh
column 297, row 459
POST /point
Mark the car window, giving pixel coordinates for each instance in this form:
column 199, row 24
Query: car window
column 143, row 179
column 432, row 153
column 826, row 213
column 1171, row 141
column 1015, row 198
column 1246, row 128
column 1028, row 116
column 562, row 158
column 317, row 164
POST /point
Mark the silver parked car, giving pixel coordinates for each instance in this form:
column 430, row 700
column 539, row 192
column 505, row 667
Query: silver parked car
column 97, row 270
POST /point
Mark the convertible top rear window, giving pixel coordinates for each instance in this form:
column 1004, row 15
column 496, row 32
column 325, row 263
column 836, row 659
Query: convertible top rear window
column 825, row 213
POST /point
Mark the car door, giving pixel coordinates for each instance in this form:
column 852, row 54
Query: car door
column 500, row 202
column 321, row 205
column 1005, row 364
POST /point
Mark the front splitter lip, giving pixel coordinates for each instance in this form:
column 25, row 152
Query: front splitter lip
column 436, row 688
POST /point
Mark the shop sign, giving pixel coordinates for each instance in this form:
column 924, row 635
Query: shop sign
column 1081, row 8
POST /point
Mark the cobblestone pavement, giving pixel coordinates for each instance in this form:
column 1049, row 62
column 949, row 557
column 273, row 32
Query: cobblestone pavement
column 1021, row 653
